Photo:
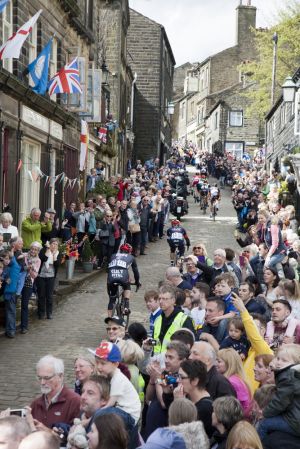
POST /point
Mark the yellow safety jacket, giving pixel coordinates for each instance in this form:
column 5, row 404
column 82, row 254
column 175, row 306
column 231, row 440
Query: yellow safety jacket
column 176, row 324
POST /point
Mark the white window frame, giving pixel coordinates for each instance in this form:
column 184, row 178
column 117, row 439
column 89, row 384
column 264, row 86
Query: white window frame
column 235, row 148
column 53, row 62
column 93, row 94
column 32, row 44
column 7, row 31
column 29, row 189
column 236, row 118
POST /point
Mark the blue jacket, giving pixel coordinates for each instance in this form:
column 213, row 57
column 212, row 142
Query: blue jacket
column 12, row 274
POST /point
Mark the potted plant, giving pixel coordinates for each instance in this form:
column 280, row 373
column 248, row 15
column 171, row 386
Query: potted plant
column 87, row 257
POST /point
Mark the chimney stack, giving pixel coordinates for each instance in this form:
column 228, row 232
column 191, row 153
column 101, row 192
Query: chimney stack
column 245, row 20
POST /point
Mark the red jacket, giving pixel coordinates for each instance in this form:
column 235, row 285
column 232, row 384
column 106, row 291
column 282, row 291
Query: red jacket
column 64, row 410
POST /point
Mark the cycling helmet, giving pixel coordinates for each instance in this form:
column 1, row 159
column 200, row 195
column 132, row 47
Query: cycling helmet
column 175, row 222
column 126, row 248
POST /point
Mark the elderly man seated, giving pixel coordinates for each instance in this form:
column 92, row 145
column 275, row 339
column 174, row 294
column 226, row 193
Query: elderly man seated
column 58, row 404
column 193, row 274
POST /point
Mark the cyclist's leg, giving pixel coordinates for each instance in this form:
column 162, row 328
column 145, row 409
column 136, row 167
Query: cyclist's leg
column 112, row 295
column 126, row 297
column 172, row 252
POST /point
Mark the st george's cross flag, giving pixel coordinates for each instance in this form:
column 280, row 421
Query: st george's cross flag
column 3, row 4
column 66, row 81
column 84, row 138
column 38, row 70
column 12, row 47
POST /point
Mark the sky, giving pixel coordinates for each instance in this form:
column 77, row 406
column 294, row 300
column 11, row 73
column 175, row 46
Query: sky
column 199, row 28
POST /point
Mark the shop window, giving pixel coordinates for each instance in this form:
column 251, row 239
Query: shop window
column 7, row 31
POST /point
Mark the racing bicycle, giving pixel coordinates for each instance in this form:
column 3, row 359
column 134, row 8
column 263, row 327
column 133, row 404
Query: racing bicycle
column 121, row 304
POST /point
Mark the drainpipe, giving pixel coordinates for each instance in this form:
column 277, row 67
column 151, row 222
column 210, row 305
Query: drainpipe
column 132, row 99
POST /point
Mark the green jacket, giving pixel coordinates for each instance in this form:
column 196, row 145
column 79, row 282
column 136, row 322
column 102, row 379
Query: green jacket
column 31, row 231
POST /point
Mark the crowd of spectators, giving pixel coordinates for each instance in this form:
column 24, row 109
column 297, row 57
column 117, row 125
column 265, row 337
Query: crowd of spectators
column 218, row 365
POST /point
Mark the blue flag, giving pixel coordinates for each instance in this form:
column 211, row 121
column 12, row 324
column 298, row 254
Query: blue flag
column 3, row 4
column 38, row 69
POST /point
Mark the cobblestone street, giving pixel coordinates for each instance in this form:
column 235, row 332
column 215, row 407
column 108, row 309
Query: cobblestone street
column 78, row 320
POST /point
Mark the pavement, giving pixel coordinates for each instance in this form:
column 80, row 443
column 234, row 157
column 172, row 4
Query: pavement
column 80, row 309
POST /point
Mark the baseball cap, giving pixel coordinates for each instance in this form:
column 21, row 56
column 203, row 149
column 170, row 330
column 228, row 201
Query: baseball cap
column 107, row 351
column 164, row 438
column 116, row 320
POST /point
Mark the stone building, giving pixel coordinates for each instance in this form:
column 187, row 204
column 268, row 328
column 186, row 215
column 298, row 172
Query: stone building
column 282, row 139
column 207, row 85
column 151, row 57
column 43, row 134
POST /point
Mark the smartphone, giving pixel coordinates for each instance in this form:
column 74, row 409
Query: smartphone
column 242, row 261
column 18, row 412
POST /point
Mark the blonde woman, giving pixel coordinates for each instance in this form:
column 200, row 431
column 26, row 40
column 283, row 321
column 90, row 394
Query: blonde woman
column 243, row 434
column 199, row 250
column 290, row 290
column 131, row 355
column 270, row 234
column 84, row 367
column 230, row 365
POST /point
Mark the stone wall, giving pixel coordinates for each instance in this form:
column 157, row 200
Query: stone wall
column 144, row 46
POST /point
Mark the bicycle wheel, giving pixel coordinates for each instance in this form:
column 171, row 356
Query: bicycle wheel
column 116, row 307
column 214, row 213
column 123, row 315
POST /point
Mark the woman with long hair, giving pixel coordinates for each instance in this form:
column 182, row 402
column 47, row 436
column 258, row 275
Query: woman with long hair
column 199, row 250
column 50, row 260
column 270, row 233
column 134, row 229
column 108, row 432
column 271, row 280
column 243, row 434
column 229, row 364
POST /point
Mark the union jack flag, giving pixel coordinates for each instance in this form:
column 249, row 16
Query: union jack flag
column 66, row 80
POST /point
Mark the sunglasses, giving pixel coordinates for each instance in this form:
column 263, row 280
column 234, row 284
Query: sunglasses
column 115, row 328
column 197, row 247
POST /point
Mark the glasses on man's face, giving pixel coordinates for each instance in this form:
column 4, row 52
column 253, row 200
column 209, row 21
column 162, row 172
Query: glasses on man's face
column 45, row 378
column 114, row 328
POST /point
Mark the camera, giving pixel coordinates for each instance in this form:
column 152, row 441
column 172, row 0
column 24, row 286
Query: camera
column 18, row 412
column 151, row 341
column 171, row 380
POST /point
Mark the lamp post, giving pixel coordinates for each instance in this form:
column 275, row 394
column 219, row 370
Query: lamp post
column 291, row 94
column 275, row 42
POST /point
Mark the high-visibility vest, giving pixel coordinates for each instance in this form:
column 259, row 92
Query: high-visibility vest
column 176, row 324
column 141, row 389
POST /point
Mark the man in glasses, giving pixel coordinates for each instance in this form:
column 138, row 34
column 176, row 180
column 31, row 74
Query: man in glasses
column 57, row 404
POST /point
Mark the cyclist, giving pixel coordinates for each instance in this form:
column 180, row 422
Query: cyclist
column 176, row 238
column 204, row 192
column 195, row 185
column 215, row 197
column 118, row 274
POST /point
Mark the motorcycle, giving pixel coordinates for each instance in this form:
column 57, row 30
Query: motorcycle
column 178, row 206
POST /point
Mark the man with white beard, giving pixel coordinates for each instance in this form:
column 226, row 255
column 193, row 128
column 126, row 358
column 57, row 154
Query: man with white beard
column 58, row 404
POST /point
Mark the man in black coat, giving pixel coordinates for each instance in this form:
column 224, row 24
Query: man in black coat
column 217, row 384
